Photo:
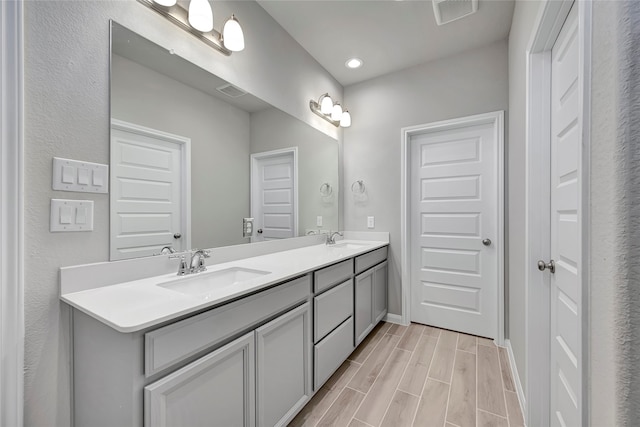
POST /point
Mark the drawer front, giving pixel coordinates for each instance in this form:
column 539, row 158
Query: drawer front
column 331, row 309
column 329, row 276
column 332, row 351
column 173, row 343
column 370, row 259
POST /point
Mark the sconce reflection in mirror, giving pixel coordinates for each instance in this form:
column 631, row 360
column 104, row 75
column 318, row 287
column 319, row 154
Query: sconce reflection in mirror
column 330, row 111
column 326, row 190
column 198, row 21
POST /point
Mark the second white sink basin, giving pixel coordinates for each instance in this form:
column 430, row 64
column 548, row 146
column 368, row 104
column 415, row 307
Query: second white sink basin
column 348, row 245
column 204, row 283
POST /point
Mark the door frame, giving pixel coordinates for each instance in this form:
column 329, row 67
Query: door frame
column 545, row 31
column 496, row 119
column 254, row 173
column 185, row 165
column 12, row 213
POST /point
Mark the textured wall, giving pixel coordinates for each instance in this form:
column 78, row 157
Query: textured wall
column 614, row 324
column 67, row 115
column 524, row 16
column 469, row 83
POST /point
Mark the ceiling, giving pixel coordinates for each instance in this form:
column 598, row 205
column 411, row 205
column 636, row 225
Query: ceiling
column 387, row 35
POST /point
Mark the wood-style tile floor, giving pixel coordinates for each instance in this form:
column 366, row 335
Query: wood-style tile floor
column 418, row 376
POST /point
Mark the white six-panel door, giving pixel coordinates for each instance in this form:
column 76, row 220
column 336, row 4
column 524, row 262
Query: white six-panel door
column 148, row 191
column 565, row 345
column 274, row 195
column 453, row 210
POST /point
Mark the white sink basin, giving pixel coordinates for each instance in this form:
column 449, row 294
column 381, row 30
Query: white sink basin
column 204, row 283
column 348, row 245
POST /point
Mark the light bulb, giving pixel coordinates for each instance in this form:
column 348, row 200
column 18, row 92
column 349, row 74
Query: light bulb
column 165, row 3
column 326, row 104
column 232, row 36
column 345, row 120
column 336, row 113
column 201, row 15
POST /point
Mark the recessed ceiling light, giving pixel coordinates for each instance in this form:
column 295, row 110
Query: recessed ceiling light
column 354, row 63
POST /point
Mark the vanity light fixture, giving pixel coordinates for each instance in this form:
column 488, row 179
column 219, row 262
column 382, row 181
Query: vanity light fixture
column 330, row 111
column 198, row 21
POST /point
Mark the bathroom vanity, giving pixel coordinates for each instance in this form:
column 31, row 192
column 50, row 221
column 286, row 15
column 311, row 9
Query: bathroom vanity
column 163, row 351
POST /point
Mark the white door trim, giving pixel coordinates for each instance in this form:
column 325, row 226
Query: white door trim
column 254, row 171
column 497, row 120
column 12, row 214
column 185, row 165
column 537, row 198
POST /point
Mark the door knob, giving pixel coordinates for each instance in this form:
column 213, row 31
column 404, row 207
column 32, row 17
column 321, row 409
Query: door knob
column 259, row 230
column 177, row 236
column 486, row 242
column 551, row 265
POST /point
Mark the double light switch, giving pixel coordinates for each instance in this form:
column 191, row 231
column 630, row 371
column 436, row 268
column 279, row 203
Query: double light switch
column 71, row 215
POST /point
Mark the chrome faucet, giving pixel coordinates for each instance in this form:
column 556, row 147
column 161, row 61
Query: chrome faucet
column 196, row 265
column 197, row 260
column 167, row 250
column 331, row 237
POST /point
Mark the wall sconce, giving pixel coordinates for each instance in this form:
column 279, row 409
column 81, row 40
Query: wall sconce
column 330, row 111
column 198, row 21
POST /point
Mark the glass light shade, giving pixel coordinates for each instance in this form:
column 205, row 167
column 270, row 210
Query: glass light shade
column 345, row 120
column 201, row 15
column 336, row 113
column 326, row 104
column 166, row 3
column 232, row 36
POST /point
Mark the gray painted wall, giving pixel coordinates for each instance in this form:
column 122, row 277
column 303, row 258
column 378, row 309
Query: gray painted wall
column 317, row 163
column 220, row 140
column 67, row 114
column 524, row 16
column 469, row 83
column 614, row 267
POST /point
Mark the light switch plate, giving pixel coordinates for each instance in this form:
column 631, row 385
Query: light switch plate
column 83, row 177
column 371, row 222
column 319, row 221
column 71, row 215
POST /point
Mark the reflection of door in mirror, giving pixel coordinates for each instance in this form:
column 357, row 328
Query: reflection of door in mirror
column 274, row 194
column 150, row 189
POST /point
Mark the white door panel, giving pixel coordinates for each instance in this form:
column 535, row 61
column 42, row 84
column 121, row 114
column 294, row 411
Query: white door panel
column 565, row 328
column 147, row 186
column 274, row 195
column 454, row 202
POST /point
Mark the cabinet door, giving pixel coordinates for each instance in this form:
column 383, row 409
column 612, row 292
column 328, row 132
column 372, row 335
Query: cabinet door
column 364, row 305
column 283, row 366
column 217, row 389
column 380, row 292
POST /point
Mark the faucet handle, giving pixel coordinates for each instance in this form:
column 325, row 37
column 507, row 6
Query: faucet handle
column 183, row 268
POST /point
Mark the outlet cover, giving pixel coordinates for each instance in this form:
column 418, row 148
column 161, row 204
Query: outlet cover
column 371, row 222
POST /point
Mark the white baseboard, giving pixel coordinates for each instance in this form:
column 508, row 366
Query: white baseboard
column 393, row 318
column 516, row 379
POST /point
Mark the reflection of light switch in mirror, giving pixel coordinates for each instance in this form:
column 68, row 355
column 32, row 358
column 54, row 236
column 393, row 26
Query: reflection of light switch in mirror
column 247, row 227
column 319, row 221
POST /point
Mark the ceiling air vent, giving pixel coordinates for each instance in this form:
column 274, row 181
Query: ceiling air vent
column 450, row 10
column 231, row 91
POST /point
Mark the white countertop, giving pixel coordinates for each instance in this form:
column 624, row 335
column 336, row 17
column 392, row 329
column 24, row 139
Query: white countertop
column 140, row 304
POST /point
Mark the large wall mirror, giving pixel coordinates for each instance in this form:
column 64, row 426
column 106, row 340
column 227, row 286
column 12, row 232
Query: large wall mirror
column 192, row 156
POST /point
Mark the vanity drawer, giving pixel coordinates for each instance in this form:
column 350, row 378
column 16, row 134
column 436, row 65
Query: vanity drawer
column 331, row 308
column 336, row 273
column 173, row 343
column 368, row 260
column 331, row 352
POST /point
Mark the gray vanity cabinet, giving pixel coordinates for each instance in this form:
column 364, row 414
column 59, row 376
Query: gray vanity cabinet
column 217, row 389
column 283, row 367
column 370, row 293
